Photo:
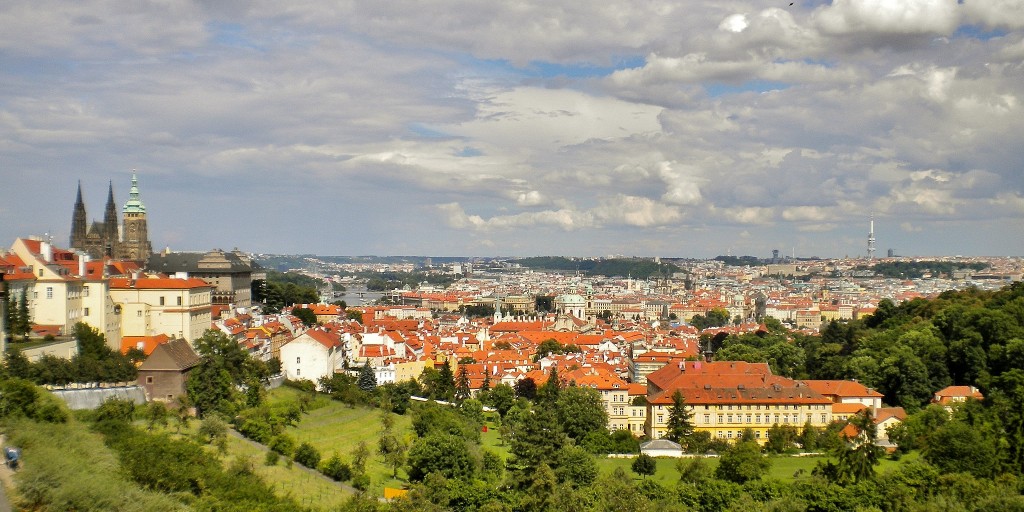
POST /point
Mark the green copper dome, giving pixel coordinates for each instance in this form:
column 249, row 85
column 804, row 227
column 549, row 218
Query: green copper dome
column 134, row 204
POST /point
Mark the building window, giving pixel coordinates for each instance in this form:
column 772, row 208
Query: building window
column 149, row 379
column 49, row 292
column 298, row 371
column 161, row 301
column 86, row 312
column 138, row 313
column 85, row 292
column 179, row 301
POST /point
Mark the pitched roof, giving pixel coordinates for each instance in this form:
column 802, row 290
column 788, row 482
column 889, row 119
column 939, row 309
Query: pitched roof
column 176, row 354
column 842, row 388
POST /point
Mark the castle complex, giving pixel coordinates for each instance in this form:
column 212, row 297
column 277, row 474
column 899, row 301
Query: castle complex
column 128, row 240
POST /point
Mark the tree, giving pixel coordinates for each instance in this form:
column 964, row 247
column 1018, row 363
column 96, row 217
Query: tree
column 214, row 384
column 957, row 447
column 576, row 466
column 526, row 388
column 548, row 393
column 742, row 462
column 24, row 318
column 306, row 315
column 441, row 453
column 859, row 456
column 580, row 411
column 307, row 455
column 462, row 390
column 390, row 446
column 156, row 414
column 644, row 465
column 680, row 419
column 367, row 379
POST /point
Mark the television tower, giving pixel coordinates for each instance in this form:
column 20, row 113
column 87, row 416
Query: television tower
column 871, row 239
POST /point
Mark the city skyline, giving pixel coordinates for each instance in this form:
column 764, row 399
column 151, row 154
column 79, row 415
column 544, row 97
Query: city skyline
column 482, row 128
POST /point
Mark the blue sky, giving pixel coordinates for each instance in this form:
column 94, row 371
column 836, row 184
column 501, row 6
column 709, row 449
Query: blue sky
column 528, row 128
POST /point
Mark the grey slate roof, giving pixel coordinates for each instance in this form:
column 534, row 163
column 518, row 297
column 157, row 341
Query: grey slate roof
column 191, row 262
column 173, row 355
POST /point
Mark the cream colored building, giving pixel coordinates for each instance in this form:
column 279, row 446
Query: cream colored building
column 177, row 307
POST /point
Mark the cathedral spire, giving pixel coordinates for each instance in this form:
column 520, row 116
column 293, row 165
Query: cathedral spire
column 78, row 222
column 110, row 214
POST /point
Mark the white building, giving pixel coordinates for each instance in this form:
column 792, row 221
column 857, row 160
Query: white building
column 311, row 355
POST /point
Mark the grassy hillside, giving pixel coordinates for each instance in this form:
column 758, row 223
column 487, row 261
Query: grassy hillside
column 333, row 427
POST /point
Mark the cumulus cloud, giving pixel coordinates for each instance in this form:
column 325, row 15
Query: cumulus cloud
column 888, row 17
column 612, row 128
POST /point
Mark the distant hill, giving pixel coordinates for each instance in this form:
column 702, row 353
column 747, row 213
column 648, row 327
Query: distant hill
column 640, row 268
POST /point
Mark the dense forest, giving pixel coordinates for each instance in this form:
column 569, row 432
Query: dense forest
column 640, row 268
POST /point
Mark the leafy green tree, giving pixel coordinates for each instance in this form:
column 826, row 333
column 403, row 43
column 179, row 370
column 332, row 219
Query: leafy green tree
column 156, row 415
column 306, row 315
column 680, row 419
column 213, row 385
column 575, row 466
column 580, row 411
column 742, row 462
column 502, row 397
column 781, row 438
column 441, row 453
column 307, row 455
column 959, row 447
column 644, row 465
column 526, row 388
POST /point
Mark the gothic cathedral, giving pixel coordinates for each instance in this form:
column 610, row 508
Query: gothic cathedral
column 108, row 239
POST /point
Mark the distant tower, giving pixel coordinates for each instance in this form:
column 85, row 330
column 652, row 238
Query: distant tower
column 136, row 245
column 871, row 239
column 78, row 222
column 111, row 236
column 775, row 255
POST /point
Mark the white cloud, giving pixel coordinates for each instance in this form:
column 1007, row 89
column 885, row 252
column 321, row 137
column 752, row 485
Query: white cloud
column 888, row 16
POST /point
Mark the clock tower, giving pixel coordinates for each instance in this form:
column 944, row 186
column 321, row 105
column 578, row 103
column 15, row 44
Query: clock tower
column 135, row 243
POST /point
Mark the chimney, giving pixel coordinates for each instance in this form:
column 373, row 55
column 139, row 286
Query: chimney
column 82, row 260
column 46, row 250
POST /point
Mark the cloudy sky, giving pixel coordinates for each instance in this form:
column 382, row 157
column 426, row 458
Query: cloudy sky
column 554, row 127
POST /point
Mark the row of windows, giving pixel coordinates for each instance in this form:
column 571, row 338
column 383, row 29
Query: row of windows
column 757, row 407
column 785, row 418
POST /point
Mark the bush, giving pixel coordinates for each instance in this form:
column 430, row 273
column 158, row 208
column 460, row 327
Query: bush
column 307, row 455
column 283, row 444
column 361, row 482
column 271, row 458
column 336, row 469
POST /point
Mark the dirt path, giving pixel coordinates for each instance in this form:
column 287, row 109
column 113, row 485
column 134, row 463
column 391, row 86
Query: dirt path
column 7, row 481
